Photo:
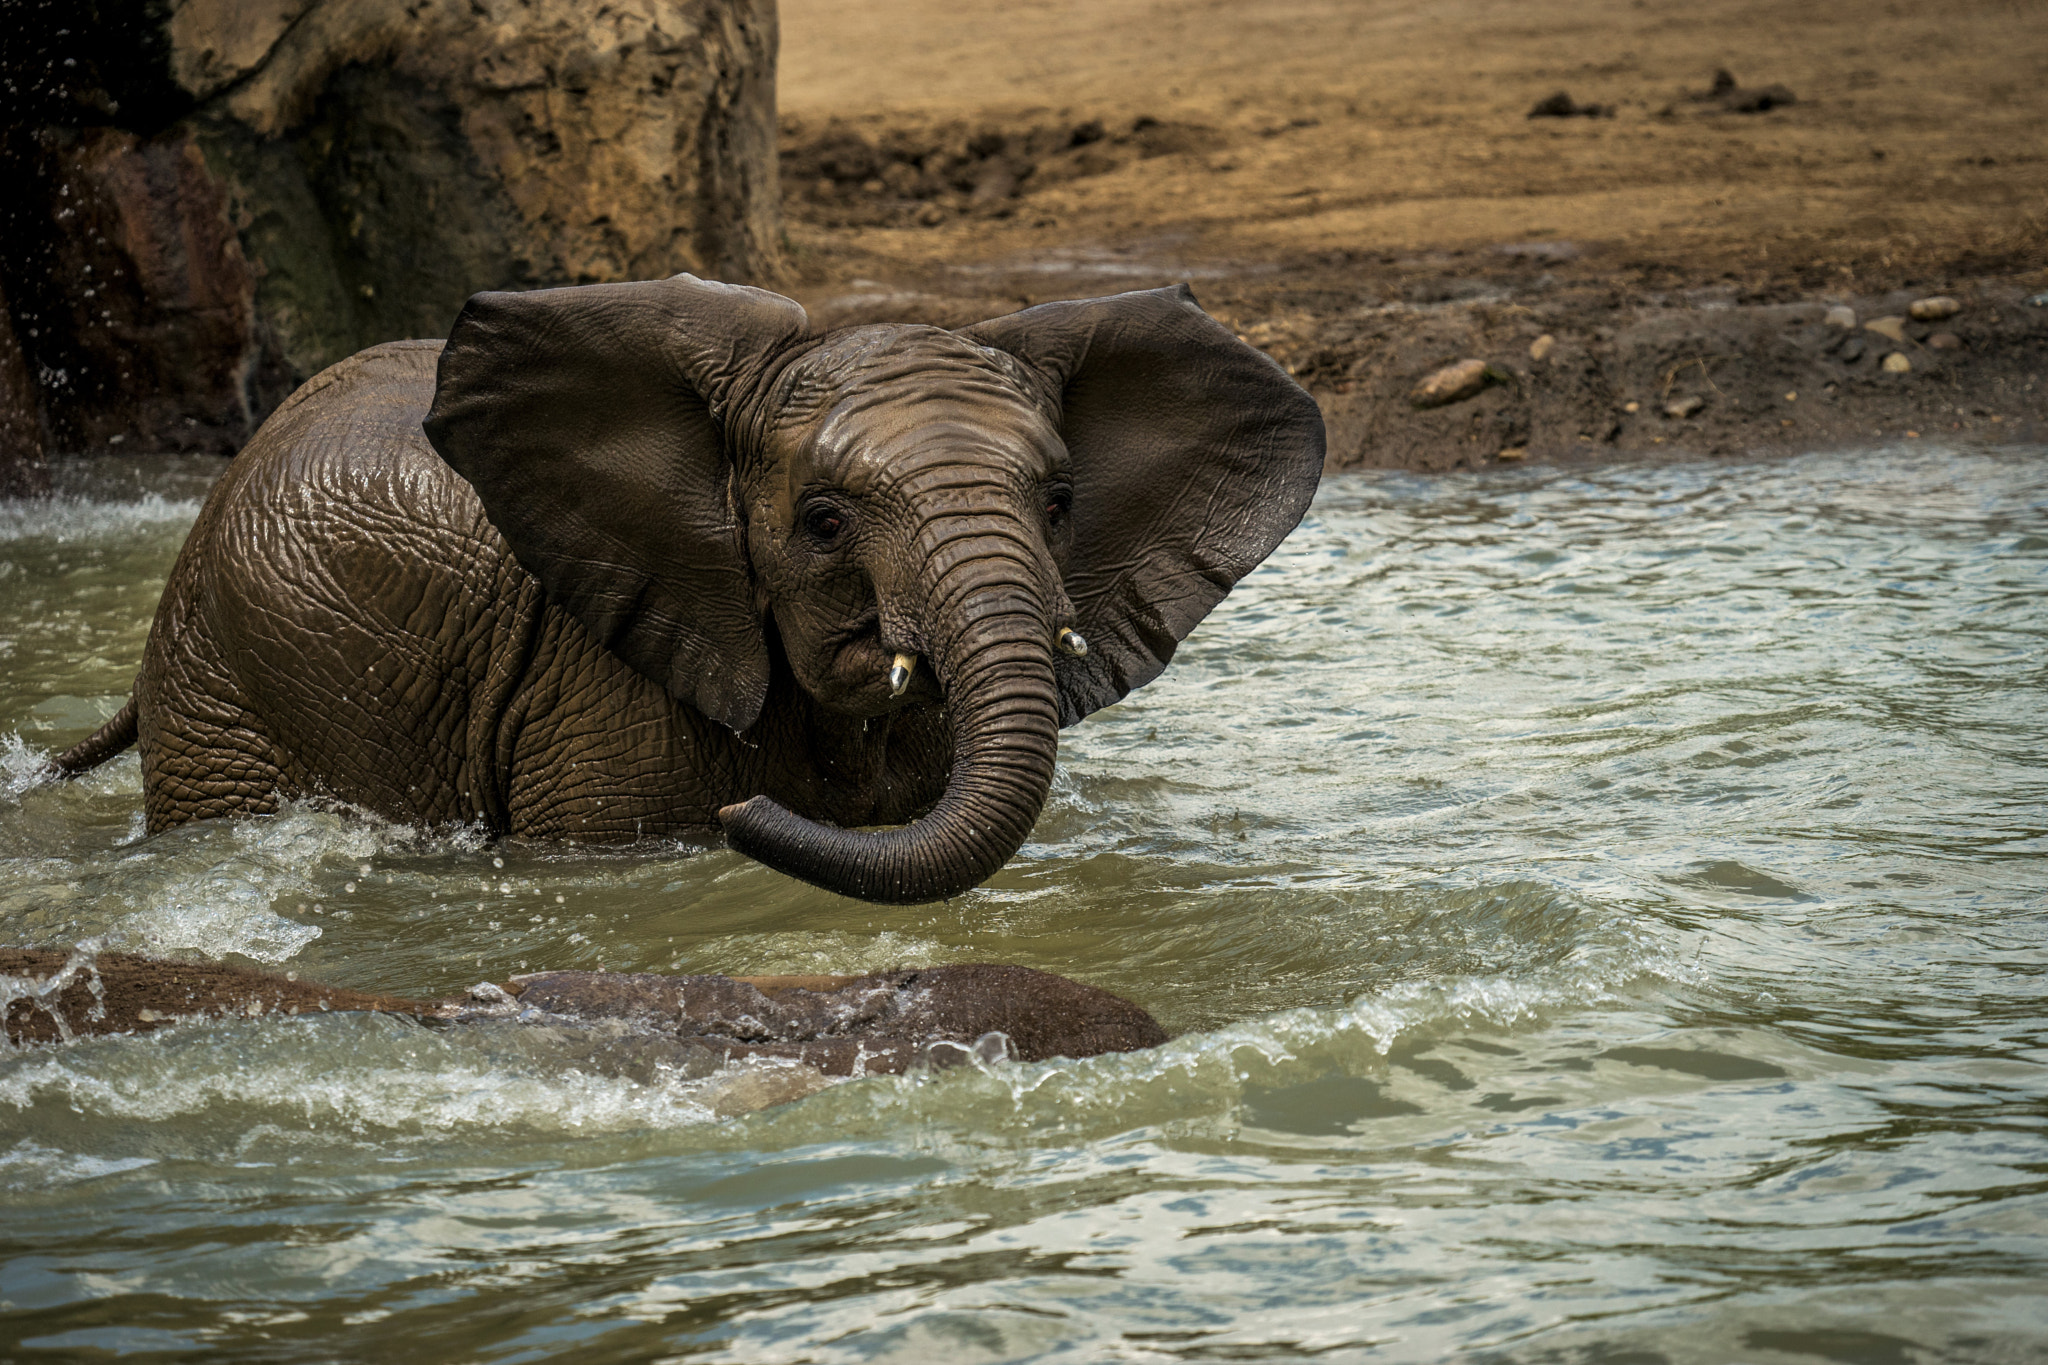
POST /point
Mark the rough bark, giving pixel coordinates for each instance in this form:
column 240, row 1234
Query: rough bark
column 22, row 469
column 271, row 185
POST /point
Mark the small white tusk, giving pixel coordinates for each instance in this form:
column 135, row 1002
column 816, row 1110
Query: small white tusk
column 1070, row 642
column 899, row 673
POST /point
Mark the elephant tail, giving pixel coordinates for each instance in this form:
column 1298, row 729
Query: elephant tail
column 101, row 745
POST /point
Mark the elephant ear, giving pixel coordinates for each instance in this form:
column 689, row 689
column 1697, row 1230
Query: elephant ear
column 589, row 421
column 1193, row 455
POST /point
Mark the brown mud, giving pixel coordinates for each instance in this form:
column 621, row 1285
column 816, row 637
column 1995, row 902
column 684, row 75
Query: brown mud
column 1367, row 192
column 878, row 1024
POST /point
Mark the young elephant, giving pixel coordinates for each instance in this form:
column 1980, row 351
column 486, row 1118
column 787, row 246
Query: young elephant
column 651, row 558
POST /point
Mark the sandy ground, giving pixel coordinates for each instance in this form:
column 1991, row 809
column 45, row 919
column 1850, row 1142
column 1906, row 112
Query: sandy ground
column 1337, row 179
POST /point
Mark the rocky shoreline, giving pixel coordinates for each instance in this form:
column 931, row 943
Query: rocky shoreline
column 1699, row 375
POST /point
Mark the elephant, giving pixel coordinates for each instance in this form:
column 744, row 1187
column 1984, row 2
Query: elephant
column 656, row 559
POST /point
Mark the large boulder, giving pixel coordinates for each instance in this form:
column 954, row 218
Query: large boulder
column 224, row 196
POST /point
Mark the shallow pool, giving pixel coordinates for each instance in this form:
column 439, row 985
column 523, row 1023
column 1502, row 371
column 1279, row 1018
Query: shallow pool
column 1604, row 915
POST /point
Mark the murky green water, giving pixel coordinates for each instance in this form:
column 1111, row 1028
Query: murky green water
column 1605, row 918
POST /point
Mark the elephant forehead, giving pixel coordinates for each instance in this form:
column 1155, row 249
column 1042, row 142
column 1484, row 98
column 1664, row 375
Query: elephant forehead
column 931, row 398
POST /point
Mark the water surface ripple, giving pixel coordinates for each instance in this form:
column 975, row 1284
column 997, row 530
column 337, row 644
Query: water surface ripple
column 1604, row 917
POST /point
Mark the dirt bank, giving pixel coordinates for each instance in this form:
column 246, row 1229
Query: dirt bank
column 1361, row 190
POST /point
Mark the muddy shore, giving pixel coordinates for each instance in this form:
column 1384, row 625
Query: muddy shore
column 1364, row 193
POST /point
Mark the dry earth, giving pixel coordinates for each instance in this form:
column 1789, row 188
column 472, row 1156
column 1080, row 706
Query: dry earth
column 1358, row 188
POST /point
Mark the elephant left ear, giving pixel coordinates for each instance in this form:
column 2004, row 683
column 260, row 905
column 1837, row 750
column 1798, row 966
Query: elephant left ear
column 591, row 422
column 1193, row 455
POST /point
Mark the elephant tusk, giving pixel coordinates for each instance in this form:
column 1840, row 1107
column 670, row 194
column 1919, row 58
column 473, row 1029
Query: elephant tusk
column 899, row 673
column 1070, row 642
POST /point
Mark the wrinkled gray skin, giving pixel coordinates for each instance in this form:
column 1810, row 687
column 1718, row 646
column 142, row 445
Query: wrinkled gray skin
column 631, row 560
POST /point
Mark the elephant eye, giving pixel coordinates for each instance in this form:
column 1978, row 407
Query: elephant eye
column 1058, row 502
column 825, row 523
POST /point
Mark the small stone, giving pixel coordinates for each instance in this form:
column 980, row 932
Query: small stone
column 1892, row 328
column 1896, row 363
column 1944, row 341
column 1934, row 309
column 1631, row 406
column 1852, row 350
column 1542, row 346
column 1562, row 105
column 1513, row 453
column 1792, row 397
column 1454, row 384
column 1682, row 408
column 2038, row 301
column 1841, row 316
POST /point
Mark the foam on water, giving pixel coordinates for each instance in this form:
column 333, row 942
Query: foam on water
column 73, row 520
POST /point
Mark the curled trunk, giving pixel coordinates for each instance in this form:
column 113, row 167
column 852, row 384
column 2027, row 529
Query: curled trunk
column 992, row 655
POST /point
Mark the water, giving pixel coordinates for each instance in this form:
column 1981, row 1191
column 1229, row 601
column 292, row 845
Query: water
column 1604, row 917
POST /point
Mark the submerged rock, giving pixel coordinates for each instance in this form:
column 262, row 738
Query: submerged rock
column 881, row 1023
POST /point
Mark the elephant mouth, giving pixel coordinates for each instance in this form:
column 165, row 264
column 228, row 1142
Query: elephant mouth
column 860, row 670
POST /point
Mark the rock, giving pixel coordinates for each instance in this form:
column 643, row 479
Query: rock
column 1896, row 363
column 1852, row 350
column 2037, row 300
column 1934, row 309
column 1735, row 98
column 1562, row 105
column 144, row 301
column 1542, row 346
column 1759, row 100
column 1945, row 341
column 1681, row 408
column 1891, row 328
column 1631, row 407
column 278, row 185
column 1454, row 384
column 1513, row 453
column 22, row 469
column 1840, row 316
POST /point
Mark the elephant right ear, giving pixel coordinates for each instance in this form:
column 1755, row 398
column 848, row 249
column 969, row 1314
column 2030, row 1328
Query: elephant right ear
column 590, row 422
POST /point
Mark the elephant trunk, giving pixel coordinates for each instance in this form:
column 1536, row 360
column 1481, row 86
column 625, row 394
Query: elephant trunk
column 992, row 654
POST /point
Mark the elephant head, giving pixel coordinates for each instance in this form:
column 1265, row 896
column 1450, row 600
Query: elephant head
column 1019, row 520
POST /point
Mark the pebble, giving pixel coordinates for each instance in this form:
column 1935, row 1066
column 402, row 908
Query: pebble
column 1682, row 408
column 1631, row 406
column 1852, row 350
column 1453, row 384
column 1945, row 341
column 1896, row 363
column 1892, row 328
column 1542, row 346
column 1934, row 309
column 1513, row 453
column 1840, row 316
